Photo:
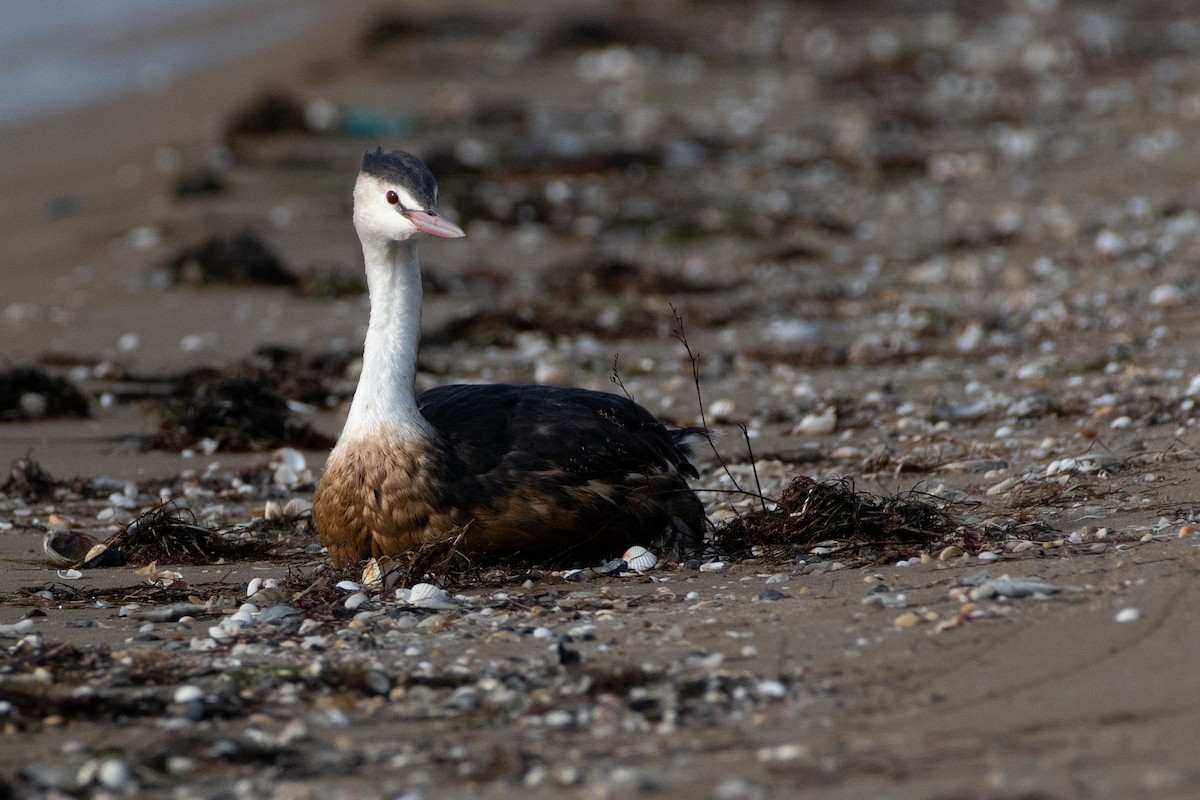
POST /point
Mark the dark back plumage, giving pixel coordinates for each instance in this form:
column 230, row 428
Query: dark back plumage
column 598, row 455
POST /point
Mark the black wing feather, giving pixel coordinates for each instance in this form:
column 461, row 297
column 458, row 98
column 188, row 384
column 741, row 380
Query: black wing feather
column 586, row 433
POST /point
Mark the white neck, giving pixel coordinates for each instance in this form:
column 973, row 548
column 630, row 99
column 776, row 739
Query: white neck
column 384, row 400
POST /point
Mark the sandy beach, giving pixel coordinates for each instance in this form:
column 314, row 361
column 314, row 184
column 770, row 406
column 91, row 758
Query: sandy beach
column 950, row 251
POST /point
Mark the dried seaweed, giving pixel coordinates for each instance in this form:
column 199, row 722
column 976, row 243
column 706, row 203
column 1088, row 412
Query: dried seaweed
column 811, row 511
column 238, row 413
column 28, row 392
column 28, row 480
column 240, row 259
column 172, row 535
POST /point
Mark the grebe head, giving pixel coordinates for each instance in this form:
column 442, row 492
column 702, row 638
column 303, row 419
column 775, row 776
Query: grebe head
column 395, row 199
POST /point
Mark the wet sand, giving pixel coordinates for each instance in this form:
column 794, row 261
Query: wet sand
column 981, row 256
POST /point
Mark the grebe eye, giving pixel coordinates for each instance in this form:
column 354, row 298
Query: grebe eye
column 393, row 198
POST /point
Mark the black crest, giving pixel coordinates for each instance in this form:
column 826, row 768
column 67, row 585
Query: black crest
column 403, row 169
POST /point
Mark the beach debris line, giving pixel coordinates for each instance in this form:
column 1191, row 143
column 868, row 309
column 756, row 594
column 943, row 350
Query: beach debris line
column 171, row 534
column 811, row 512
column 28, row 480
column 231, row 413
column 29, row 392
column 239, row 259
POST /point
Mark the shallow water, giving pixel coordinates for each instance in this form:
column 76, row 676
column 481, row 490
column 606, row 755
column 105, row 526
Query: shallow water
column 58, row 55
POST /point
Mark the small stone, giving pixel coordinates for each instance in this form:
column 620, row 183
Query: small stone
column 187, row 694
column 115, row 774
column 1129, row 615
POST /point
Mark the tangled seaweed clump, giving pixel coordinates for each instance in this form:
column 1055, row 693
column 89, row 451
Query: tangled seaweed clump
column 236, row 413
column 29, row 392
column 172, row 534
column 811, row 511
column 28, row 480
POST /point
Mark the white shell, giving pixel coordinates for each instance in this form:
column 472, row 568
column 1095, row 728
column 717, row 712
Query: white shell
column 253, row 587
column 426, row 595
column 70, row 574
column 296, row 506
column 290, row 457
column 272, row 510
column 289, row 466
column 640, row 559
column 817, row 424
column 426, row 591
column 347, row 586
column 713, row 566
column 218, row 634
column 17, row 628
column 355, row 600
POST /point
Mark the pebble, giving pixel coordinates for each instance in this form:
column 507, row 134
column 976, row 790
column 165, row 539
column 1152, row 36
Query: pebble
column 115, row 774
column 187, row 694
column 713, row 566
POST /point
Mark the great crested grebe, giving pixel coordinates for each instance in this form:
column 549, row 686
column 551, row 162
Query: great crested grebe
column 510, row 471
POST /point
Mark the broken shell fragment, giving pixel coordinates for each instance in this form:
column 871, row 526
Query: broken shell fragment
column 66, row 548
column 953, row 551
column 640, row 559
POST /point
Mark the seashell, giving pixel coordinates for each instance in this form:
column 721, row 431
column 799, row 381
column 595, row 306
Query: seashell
column 296, row 506
column 70, row 574
column 426, row 595
column 372, row 574
column 347, row 586
column 253, row 587
column 289, row 466
column 290, row 457
column 272, row 510
column 818, row 424
column 66, row 548
column 242, row 617
column 953, row 551
column 355, row 600
column 1129, row 615
column 426, row 591
column 713, row 566
column 640, row 559
column 17, row 628
column 218, row 634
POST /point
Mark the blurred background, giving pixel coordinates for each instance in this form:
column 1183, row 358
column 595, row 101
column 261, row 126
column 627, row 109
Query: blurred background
column 896, row 198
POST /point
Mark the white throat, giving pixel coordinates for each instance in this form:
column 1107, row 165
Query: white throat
column 384, row 401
